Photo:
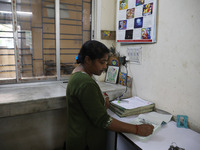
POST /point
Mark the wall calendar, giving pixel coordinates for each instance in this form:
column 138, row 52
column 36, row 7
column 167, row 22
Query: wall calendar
column 136, row 21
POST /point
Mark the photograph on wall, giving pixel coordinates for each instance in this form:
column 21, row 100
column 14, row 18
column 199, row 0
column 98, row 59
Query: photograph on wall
column 147, row 9
column 129, row 34
column 136, row 21
column 146, row 33
column 112, row 74
column 122, row 78
column 130, row 13
column 122, row 24
column 123, row 4
column 139, row 2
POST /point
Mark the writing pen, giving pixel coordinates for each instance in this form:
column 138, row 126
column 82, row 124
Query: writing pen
column 123, row 100
column 144, row 121
column 119, row 99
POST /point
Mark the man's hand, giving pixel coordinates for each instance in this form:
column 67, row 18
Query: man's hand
column 145, row 129
column 106, row 100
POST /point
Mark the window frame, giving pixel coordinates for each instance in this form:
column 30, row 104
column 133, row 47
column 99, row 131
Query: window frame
column 95, row 35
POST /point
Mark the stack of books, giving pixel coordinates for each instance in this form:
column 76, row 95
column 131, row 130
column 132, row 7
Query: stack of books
column 131, row 106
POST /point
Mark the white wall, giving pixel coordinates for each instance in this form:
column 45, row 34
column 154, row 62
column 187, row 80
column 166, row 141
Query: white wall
column 108, row 19
column 170, row 71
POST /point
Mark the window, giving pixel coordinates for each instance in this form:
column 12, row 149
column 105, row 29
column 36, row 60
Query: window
column 31, row 53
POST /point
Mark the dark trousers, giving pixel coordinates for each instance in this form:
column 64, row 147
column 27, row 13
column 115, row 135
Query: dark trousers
column 64, row 148
column 87, row 148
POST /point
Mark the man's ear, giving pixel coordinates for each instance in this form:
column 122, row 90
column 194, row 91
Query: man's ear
column 87, row 60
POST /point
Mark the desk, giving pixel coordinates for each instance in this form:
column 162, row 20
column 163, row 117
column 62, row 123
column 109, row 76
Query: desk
column 32, row 112
column 161, row 139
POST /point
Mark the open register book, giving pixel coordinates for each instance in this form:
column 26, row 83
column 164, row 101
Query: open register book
column 154, row 118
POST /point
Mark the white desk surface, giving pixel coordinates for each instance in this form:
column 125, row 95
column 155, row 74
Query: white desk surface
column 164, row 136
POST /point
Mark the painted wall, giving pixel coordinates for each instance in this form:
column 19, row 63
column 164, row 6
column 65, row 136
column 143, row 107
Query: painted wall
column 37, row 131
column 108, row 19
column 169, row 74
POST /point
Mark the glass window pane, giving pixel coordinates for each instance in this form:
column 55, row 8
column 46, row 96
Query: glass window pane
column 7, row 56
column 37, row 38
column 49, row 39
column 74, row 21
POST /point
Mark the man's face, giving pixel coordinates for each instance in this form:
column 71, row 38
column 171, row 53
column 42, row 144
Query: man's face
column 99, row 65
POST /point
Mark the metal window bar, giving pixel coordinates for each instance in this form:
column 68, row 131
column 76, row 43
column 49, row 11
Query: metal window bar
column 37, row 59
column 20, row 38
column 49, row 48
column 31, row 48
column 70, row 10
column 27, row 64
column 71, row 19
column 70, row 24
column 68, row 53
column 24, row 70
column 7, row 21
column 7, row 70
column 47, row 1
column 6, row 37
column 63, row 23
column 7, row 31
column 69, row 34
column 7, row 48
column 37, row 27
column 6, row 54
column 42, row 35
column 73, row 39
column 70, row 48
column 62, row 9
column 43, row 17
column 82, row 24
column 24, row 48
column 6, row 65
column 15, row 38
column 3, row 2
column 48, row 33
column 70, row 4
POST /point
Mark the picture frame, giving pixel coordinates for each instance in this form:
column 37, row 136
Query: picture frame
column 122, row 78
column 112, row 74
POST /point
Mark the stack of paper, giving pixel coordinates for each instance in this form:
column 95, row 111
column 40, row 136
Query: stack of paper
column 131, row 106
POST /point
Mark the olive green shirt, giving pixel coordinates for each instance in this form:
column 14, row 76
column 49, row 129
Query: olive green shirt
column 87, row 117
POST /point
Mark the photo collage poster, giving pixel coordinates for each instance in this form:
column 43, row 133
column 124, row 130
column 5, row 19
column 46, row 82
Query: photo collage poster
column 136, row 21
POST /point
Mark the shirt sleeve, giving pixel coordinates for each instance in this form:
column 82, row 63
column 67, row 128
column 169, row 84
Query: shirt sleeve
column 92, row 102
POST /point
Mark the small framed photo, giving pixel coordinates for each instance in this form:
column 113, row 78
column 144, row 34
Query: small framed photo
column 122, row 78
column 112, row 74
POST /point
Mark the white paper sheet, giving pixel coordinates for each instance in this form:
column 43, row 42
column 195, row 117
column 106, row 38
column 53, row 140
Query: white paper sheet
column 131, row 103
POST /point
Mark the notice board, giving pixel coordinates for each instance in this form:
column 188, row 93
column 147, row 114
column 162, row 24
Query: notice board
column 136, row 21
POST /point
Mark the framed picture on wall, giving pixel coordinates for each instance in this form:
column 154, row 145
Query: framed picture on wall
column 112, row 74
